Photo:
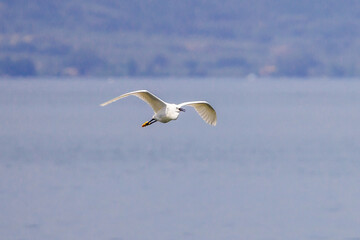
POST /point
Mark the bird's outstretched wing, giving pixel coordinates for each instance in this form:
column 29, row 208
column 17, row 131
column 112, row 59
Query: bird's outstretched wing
column 204, row 109
column 155, row 102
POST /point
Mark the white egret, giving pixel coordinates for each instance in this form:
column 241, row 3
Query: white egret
column 165, row 112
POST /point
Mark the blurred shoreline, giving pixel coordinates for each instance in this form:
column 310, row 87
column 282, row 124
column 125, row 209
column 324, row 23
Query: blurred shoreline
column 302, row 39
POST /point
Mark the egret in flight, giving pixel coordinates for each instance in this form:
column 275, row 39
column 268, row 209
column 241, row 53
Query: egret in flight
column 165, row 112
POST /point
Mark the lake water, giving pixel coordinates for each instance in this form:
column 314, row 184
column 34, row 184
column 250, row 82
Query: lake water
column 282, row 163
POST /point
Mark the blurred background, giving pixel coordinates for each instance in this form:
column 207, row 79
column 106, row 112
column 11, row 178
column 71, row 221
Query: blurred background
column 282, row 162
column 162, row 38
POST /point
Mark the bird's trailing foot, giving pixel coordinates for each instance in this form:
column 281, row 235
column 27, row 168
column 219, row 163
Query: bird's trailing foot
column 148, row 123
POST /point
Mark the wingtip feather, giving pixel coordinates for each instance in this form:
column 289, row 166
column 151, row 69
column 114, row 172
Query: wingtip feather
column 104, row 104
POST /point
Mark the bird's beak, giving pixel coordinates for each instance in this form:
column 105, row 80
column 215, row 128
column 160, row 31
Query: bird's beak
column 145, row 124
column 182, row 109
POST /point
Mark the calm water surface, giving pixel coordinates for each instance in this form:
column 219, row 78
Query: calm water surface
column 282, row 163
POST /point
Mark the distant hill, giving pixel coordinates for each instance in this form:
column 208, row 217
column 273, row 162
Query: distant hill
column 228, row 38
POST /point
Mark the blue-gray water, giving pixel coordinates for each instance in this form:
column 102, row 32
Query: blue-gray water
column 282, row 163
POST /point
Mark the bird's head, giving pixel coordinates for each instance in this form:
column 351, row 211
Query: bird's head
column 180, row 109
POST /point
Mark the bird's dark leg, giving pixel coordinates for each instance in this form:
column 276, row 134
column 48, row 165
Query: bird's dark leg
column 152, row 121
column 149, row 122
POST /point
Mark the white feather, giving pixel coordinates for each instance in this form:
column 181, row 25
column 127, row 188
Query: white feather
column 155, row 102
column 204, row 109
